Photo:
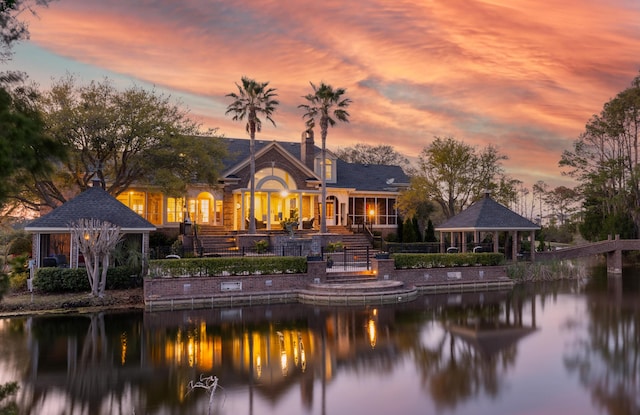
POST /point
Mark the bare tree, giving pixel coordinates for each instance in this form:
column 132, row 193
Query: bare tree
column 96, row 240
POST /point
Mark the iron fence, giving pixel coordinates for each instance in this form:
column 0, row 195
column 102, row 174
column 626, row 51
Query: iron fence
column 353, row 258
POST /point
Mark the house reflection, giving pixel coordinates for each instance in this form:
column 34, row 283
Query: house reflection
column 270, row 349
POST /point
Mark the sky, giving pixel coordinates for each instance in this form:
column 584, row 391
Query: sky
column 522, row 75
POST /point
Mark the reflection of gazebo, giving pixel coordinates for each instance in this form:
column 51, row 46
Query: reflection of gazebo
column 492, row 333
column 490, row 339
column 482, row 217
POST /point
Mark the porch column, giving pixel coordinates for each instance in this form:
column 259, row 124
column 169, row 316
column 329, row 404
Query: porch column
column 145, row 252
column 442, row 244
column 532, row 235
column 300, row 210
column 514, row 246
column 463, row 241
column 269, row 210
column 242, row 214
column 496, row 242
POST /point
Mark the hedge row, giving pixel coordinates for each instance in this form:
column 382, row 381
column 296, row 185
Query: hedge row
column 207, row 267
column 56, row 280
column 411, row 261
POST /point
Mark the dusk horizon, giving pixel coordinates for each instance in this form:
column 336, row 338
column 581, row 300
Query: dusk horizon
column 522, row 76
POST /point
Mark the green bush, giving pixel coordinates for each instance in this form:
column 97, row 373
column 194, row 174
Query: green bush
column 57, row 280
column 414, row 261
column 18, row 281
column 195, row 267
column 4, row 284
column 335, row 246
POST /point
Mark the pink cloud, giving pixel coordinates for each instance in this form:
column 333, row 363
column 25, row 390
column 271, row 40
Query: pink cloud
column 521, row 74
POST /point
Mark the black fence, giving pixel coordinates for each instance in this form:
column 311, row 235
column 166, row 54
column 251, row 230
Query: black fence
column 435, row 247
column 353, row 258
column 160, row 252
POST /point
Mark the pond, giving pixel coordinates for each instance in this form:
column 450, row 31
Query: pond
column 565, row 347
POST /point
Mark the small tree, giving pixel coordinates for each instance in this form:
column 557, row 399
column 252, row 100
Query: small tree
column 430, row 233
column 96, row 240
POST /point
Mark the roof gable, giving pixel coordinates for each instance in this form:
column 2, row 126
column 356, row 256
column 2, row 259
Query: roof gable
column 93, row 203
column 361, row 177
column 487, row 214
column 263, row 149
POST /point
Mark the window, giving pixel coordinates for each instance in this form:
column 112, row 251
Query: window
column 329, row 168
column 175, row 206
column 383, row 208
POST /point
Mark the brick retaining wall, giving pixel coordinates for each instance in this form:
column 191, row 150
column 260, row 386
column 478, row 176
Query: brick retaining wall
column 385, row 270
column 284, row 287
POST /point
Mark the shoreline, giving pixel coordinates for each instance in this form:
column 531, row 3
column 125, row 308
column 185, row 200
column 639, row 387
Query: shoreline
column 25, row 304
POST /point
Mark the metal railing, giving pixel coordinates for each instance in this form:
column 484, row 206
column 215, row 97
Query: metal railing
column 352, row 258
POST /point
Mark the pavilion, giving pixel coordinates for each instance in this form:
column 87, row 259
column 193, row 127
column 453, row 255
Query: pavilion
column 484, row 218
column 52, row 242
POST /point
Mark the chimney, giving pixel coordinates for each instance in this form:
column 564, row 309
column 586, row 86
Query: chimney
column 308, row 149
column 96, row 182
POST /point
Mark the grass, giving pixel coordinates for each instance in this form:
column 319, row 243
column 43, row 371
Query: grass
column 26, row 303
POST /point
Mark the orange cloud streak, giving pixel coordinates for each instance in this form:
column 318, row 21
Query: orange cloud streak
column 523, row 75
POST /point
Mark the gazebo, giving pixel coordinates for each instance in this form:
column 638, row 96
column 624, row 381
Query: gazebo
column 486, row 216
column 52, row 242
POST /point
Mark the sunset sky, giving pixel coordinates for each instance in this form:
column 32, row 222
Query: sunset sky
column 523, row 75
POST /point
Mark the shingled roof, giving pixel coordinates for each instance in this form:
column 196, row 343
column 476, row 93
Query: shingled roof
column 487, row 215
column 369, row 177
column 93, row 203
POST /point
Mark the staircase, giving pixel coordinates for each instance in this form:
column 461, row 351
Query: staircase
column 348, row 238
column 215, row 239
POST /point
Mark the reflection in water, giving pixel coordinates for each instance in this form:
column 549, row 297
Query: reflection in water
column 462, row 348
column 372, row 328
column 606, row 358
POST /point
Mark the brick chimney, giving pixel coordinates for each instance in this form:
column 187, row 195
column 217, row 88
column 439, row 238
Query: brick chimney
column 308, row 149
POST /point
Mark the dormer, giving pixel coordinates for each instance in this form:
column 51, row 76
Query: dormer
column 330, row 166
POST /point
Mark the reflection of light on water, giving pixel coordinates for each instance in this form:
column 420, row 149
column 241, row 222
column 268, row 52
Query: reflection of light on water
column 258, row 367
column 372, row 329
column 283, row 363
column 123, row 348
column 303, row 356
column 283, row 355
column 191, row 351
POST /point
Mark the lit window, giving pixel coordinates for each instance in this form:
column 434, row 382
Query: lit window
column 174, row 209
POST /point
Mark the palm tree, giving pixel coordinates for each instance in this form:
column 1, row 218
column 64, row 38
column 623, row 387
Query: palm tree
column 324, row 103
column 253, row 98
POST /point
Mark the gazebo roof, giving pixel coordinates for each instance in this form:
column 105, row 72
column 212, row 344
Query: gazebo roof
column 487, row 215
column 93, row 203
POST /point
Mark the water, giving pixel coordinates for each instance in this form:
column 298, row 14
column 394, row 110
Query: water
column 571, row 347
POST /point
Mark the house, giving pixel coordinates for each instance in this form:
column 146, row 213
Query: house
column 52, row 242
column 287, row 187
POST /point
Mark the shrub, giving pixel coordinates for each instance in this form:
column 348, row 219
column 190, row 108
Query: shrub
column 261, row 246
column 413, row 261
column 221, row 266
column 4, row 284
column 18, row 281
column 57, row 280
column 335, row 246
